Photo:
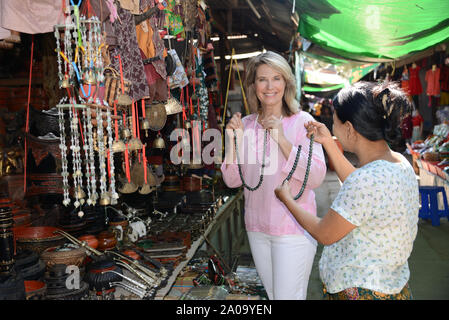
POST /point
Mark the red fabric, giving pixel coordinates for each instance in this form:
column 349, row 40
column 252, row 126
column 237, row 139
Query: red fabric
column 433, row 82
column 415, row 87
column 157, row 86
column 444, row 78
column 417, row 120
column 405, row 86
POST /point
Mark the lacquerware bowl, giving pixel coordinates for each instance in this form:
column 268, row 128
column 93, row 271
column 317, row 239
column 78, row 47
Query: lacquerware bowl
column 37, row 238
column 35, row 290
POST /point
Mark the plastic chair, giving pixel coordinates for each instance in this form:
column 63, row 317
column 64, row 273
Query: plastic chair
column 429, row 204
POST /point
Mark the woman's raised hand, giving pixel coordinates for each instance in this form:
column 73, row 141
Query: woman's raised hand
column 234, row 124
column 274, row 125
column 319, row 130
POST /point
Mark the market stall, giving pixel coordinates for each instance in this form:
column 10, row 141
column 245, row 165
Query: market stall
column 105, row 190
column 431, row 158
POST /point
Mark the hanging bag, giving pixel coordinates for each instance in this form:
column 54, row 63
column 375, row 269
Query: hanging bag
column 179, row 77
column 112, row 85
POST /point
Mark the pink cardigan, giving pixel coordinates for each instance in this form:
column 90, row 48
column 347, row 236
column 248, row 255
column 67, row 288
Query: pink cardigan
column 263, row 211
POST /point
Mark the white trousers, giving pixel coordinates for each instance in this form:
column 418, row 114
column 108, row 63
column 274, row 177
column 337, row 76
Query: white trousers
column 283, row 263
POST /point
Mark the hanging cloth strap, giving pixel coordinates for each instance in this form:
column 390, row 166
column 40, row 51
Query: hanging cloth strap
column 227, row 90
column 27, row 126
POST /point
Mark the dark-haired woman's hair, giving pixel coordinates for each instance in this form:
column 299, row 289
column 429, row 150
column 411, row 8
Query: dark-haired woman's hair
column 374, row 109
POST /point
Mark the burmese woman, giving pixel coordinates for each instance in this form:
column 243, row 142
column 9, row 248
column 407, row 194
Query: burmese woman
column 369, row 230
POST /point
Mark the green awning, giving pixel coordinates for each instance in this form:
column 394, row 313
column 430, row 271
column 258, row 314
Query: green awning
column 324, row 73
column 367, row 30
column 308, row 88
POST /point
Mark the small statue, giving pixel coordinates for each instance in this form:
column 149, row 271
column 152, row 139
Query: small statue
column 11, row 160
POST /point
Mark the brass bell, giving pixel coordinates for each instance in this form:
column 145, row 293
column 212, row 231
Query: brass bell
column 159, row 142
column 90, row 78
column 145, row 125
column 79, row 193
column 124, row 100
column 126, row 133
column 118, row 146
column 105, row 199
column 135, row 144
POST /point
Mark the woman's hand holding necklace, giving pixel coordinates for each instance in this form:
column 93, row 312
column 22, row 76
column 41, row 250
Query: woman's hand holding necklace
column 234, row 124
column 276, row 129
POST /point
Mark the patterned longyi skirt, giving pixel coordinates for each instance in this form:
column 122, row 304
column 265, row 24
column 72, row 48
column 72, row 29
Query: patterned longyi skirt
column 366, row 294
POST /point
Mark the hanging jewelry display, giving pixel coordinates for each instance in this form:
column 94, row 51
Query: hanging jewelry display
column 90, row 31
column 76, row 156
column 91, row 162
column 78, row 46
column 104, row 196
column 112, row 191
column 64, row 161
column 86, row 157
column 66, row 73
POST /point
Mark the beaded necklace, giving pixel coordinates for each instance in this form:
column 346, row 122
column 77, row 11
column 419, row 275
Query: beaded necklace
column 76, row 155
column 64, row 161
column 112, row 191
column 290, row 174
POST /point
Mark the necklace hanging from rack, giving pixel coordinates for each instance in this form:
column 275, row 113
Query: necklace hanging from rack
column 290, row 174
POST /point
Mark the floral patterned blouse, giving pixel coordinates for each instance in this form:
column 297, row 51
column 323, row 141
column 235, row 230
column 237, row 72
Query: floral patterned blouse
column 382, row 200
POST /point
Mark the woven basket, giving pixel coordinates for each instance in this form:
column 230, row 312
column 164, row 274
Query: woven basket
column 112, row 85
column 74, row 256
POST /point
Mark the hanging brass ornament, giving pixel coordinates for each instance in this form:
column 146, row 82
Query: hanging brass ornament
column 173, row 106
column 159, row 142
column 135, row 144
column 145, row 125
column 90, row 78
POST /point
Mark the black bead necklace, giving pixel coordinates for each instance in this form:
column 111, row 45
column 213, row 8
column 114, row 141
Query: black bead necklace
column 290, row 174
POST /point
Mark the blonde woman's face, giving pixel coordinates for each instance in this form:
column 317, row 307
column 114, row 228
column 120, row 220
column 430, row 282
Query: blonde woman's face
column 269, row 86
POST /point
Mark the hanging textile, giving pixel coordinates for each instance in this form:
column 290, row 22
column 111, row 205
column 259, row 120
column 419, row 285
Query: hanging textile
column 155, row 22
column 444, row 78
column 433, row 82
column 30, row 16
column 128, row 49
column 414, row 82
column 173, row 20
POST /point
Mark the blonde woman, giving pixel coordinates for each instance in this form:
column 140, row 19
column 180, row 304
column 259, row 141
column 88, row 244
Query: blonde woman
column 282, row 250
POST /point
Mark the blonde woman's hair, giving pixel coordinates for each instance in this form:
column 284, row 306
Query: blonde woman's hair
column 290, row 105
